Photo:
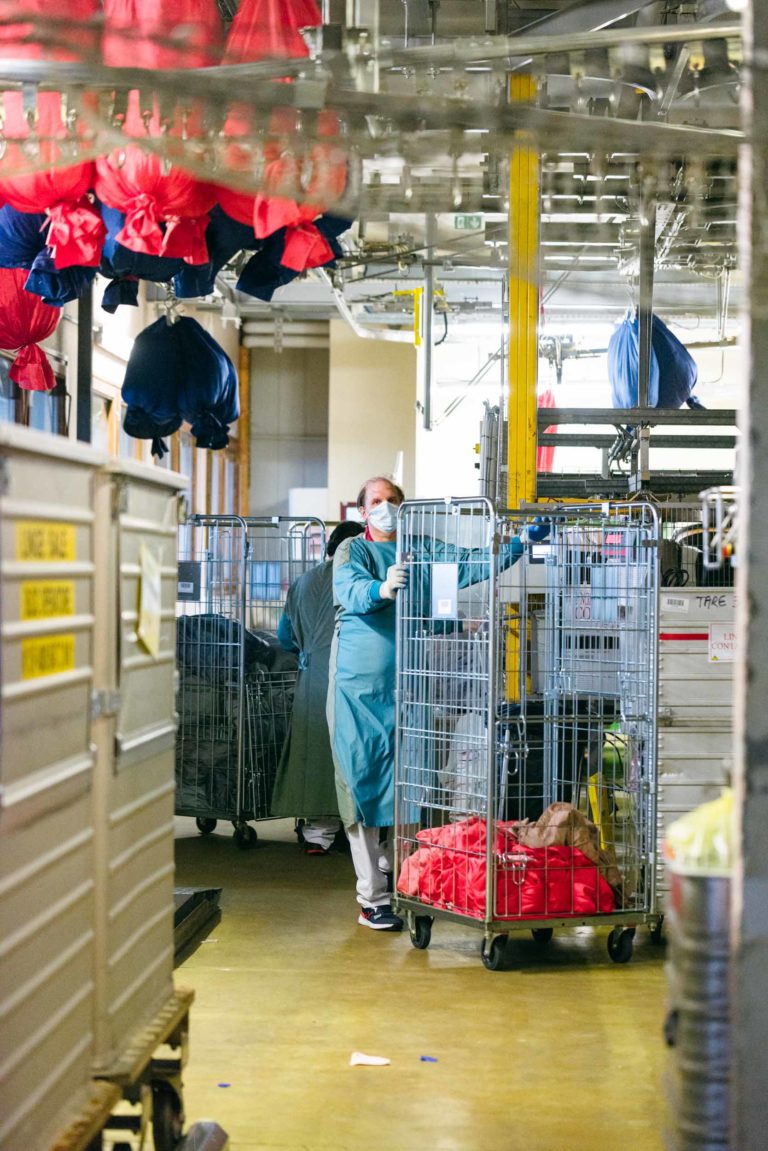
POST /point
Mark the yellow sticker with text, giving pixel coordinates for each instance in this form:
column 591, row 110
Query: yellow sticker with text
column 45, row 541
column 47, row 655
column 46, row 599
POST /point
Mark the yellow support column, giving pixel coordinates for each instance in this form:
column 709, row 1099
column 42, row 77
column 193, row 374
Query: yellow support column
column 524, row 202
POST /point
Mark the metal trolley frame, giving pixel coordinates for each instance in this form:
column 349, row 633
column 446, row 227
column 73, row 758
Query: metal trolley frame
column 235, row 686
column 556, row 657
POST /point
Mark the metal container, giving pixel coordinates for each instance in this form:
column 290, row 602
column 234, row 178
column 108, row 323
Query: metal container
column 46, row 773
column 134, row 730
column 698, row 992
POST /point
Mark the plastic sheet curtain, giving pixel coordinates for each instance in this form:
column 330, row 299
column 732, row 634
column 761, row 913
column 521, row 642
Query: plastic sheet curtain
column 24, row 321
column 39, row 123
column 166, row 209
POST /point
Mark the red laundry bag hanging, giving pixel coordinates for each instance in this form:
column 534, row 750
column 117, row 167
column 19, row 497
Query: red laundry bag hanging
column 35, row 30
column 270, row 29
column 166, row 208
column 545, row 457
column 37, row 129
column 25, row 320
column 162, row 33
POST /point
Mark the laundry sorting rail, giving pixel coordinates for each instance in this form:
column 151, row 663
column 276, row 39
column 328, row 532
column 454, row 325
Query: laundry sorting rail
column 525, row 775
column 236, row 683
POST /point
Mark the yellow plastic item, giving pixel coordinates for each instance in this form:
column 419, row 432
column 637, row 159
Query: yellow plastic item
column 701, row 842
column 600, row 808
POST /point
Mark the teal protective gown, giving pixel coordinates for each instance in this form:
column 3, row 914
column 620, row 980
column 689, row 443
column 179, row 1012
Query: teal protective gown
column 361, row 688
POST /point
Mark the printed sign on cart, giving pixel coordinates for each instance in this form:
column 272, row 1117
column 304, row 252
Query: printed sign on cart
column 45, row 541
column 46, row 599
column 722, row 643
column 47, row 655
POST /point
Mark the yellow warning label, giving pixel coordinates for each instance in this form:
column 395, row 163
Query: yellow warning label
column 47, row 655
column 45, row 599
column 45, row 541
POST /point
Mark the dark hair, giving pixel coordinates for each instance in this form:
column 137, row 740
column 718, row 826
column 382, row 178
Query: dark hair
column 341, row 532
column 384, row 479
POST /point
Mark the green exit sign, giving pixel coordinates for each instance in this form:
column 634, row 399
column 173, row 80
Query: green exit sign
column 467, row 223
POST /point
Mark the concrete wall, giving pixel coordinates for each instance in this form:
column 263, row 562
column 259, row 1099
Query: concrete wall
column 371, row 413
column 289, row 425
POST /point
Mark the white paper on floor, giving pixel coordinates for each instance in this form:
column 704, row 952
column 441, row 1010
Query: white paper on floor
column 358, row 1059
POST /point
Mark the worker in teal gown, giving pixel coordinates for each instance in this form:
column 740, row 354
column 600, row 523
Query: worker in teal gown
column 361, row 694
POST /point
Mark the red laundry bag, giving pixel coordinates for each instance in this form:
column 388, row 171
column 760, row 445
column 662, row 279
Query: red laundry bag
column 545, row 457
column 38, row 130
column 270, row 28
column 24, row 320
column 36, row 30
column 449, row 870
column 166, row 208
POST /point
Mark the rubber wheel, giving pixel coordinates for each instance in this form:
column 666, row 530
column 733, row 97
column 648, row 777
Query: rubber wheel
column 621, row 945
column 542, row 935
column 245, row 837
column 493, row 956
column 206, row 826
column 657, row 932
column 167, row 1117
column 421, row 935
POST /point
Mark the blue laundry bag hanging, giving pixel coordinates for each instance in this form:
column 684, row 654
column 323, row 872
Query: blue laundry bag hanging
column 673, row 370
column 178, row 372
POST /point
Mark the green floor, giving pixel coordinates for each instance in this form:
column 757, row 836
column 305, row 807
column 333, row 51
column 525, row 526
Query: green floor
column 562, row 1052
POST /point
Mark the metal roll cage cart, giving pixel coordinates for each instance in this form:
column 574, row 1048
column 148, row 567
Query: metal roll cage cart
column 235, row 685
column 555, row 655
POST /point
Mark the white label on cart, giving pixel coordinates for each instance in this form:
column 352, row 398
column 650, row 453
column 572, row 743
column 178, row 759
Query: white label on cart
column 674, row 603
column 722, row 643
column 445, row 591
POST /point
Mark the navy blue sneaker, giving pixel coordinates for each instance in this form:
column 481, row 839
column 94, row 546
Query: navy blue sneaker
column 380, row 918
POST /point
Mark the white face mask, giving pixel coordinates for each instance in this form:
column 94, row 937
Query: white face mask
column 383, row 517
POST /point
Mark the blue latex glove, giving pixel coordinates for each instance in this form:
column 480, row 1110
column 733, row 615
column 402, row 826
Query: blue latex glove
column 538, row 530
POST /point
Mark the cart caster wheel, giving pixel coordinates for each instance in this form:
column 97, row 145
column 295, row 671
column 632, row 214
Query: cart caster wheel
column 245, row 836
column 167, row 1117
column 493, row 955
column 542, row 935
column 206, row 826
column 657, row 932
column 621, row 944
column 421, row 934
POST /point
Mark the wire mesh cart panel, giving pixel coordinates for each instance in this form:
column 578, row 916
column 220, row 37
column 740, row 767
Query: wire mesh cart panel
column 236, row 683
column 525, row 775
